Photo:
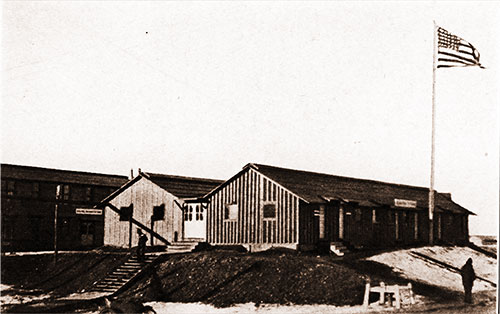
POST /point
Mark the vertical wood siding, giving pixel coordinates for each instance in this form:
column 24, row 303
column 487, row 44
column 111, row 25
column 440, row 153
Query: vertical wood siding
column 251, row 190
column 144, row 195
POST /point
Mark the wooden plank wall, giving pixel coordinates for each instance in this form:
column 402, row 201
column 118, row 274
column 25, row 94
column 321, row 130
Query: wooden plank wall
column 144, row 195
column 251, row 190
column 309, row 224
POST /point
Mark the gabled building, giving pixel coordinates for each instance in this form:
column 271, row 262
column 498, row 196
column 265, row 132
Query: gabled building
column 265, row 206
column 170, row 206
column 28, row 207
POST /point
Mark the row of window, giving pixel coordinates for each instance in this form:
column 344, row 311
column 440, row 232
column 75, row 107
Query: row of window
column 231, row 211
column 32, row 190
column 126, row 212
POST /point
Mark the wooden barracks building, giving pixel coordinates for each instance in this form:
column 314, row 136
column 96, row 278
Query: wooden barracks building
column 264, row 206
column 28, row 206
column 170, row 206
column 259, row 207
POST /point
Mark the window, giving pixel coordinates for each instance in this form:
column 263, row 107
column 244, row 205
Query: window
column 8, row 224
column 199, row 212
column 36, row 190
column 66, row 192
column 11, row 188
column 159, row 212
column 88, row 193
column 269, row 211
column 374, row 216
column 188, row 213
column 126, row 212
column 231, row 212
column 357, row 213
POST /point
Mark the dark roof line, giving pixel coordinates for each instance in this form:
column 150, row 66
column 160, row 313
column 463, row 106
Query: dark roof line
column 152, row 176
column 168, row 176
column 65, row 171
column 256, row 166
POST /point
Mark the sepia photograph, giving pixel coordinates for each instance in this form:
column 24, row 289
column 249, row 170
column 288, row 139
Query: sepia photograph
column 249, row 156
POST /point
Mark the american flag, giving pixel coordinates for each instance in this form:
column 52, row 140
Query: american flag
column 454, row 51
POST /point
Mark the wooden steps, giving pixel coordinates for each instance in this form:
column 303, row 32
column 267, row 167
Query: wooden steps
column 123, row 274
column 184, row 246
column 338, row 248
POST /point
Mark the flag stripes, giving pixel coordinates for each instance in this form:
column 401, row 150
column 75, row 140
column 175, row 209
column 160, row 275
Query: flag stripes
column 454, row 51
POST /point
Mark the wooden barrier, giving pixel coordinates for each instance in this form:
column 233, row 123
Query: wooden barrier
column 388, row 291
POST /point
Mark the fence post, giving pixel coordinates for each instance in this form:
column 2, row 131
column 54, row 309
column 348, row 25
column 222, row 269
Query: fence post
column 366, row 299
column 382, row 293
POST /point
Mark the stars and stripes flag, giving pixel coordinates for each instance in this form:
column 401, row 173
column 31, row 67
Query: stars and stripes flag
column 454, row 51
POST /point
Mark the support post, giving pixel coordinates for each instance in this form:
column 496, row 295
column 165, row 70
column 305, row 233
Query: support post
column 58, row 196
column 366, row 299
column 410, row 289
column 152, row 230
column 397, row 296
column 382, row 293
column 130, row 226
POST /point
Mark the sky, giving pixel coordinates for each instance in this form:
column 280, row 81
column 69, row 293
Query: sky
column 203, row 88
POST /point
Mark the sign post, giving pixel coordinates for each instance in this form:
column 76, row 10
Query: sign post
column 58, row 196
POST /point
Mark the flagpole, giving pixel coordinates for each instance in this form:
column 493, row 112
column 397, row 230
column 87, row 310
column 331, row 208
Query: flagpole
column 431, row 189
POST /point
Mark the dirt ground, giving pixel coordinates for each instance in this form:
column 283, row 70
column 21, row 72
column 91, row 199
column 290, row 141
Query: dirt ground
column 222, row 281
column 414, row 268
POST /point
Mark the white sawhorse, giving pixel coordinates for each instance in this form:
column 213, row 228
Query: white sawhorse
column 392, row 290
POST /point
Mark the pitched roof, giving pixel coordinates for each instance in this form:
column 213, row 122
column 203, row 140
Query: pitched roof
column 17, row 172
column 183, row 187
column 317, row 187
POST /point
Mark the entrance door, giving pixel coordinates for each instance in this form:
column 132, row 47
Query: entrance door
column 194, row 221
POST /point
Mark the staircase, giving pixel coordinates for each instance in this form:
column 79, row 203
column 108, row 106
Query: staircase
column 183, row 246
column 123, row 274
column 338, row 248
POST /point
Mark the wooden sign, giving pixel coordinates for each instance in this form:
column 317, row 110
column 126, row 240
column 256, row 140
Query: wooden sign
column 88, row 211
column 405, row 203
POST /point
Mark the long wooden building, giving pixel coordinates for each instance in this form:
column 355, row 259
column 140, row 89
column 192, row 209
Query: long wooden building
column 265, row 206
column 28, row 207
column 170, row 208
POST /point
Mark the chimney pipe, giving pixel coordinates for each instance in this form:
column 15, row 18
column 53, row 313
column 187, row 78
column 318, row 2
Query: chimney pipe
column 131, row 174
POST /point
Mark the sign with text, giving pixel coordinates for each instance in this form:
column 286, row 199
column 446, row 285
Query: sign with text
column 405, row 203
column 88, row 211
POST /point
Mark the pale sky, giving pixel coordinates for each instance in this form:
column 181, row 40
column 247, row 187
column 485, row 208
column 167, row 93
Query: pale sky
column 203, row 88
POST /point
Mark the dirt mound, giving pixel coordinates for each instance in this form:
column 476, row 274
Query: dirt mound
column 224, row 278
column 413, row 267
column 72, row 272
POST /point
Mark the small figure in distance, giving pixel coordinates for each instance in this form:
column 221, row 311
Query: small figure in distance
column 468, row 277
column 141, row 246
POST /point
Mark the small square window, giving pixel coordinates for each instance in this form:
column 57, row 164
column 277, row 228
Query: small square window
column 126, row 212
column 231, row 212
column 269, row 211
column 66, row 192
column 159, row 212
column 11, row 188
column 88, row 193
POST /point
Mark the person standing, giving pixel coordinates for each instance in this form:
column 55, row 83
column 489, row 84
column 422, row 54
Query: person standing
column 468, row 277
column 141, row 245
